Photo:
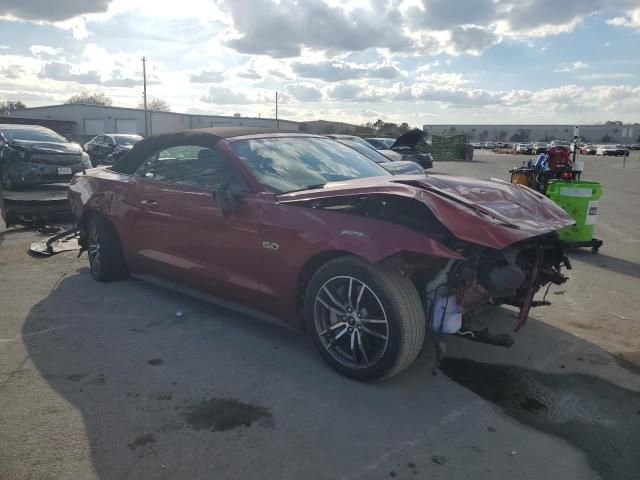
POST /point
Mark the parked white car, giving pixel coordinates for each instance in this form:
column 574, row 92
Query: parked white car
column 610, row 150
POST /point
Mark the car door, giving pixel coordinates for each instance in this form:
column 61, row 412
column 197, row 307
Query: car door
column 181, row 234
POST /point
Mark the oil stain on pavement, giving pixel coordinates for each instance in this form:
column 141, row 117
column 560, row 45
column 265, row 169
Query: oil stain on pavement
column 598, row 417
column 142, row 441
column 221, row 414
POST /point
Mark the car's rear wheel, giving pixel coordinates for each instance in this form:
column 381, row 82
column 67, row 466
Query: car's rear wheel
column 367, row 322
column 106, row 261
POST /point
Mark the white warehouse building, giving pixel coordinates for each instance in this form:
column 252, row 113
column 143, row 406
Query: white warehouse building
column 90, row 120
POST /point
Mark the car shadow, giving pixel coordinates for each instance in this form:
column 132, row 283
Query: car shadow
column 173, row 387
column 607, row 262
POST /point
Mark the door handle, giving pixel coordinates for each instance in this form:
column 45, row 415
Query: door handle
column 150, row 203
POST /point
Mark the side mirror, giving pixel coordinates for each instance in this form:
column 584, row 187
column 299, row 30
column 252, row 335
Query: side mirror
column 226, row 201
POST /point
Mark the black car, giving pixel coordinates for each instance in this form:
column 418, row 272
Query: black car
column 414, row 148
column 31, row 155
column 106, row 149
column 396, row 168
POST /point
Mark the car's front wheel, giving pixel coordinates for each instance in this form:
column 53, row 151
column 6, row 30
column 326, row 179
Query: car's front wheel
column 106, row 260
column 367, row 322
column 7, row 182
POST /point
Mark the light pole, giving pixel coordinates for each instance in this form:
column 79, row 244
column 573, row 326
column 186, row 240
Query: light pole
column 144, row 94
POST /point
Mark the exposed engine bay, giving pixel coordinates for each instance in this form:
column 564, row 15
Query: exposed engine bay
column 487, row 277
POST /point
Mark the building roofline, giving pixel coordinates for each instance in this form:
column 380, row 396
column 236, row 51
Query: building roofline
column 142, row 110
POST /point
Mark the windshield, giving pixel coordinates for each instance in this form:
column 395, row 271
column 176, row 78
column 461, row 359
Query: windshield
column 32, row 134
column 286, row 164
column 127, row 139
column 368, row 152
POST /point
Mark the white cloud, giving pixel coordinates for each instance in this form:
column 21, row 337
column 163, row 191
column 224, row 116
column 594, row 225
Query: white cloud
column 51, row 11
column 336, row 70
column 352, row 92
column 356, row 56
column 631, row 20
column 304, row 93
column 472, row 39
column 281, row 29
column 207, row 76
column 225, row 96
column 12, row 72
column 605, row 76
column 66, row 73
column 572, row 67
column 44, row 51
column 453, row 79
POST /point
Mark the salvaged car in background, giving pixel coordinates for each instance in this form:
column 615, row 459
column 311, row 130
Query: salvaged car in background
column 32, row 155
column 108, row 149
column 381, row 143
column 611, row 150
column 307, row 230
column 414, row 148
column 396, row 168
column 390, row 154
column 539, row 147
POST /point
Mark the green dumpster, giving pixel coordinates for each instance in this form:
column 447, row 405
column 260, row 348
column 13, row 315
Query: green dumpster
column 580, row 200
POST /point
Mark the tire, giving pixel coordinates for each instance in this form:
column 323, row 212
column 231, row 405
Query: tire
column 106, row 261
column 341, row 325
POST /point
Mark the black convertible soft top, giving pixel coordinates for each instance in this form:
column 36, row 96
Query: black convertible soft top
column 204, row 137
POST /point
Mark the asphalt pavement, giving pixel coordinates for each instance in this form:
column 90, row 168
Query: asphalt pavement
column 106, row 381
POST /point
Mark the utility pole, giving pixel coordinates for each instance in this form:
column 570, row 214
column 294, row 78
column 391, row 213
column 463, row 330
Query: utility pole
column 144, row 94
column 277, row 120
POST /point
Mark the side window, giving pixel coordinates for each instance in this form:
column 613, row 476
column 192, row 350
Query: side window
column 192, row 165
column 98, row 140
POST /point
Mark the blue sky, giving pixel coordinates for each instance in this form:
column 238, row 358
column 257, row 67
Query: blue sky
column 419, row 61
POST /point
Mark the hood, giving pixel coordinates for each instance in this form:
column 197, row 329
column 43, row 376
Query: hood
column 402, row 167
column 488, row 212
column 391, row 155
column 409, row 139
column 47, row 147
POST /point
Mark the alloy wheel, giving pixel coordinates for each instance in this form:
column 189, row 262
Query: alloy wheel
column 351, row 322
column 94, row 250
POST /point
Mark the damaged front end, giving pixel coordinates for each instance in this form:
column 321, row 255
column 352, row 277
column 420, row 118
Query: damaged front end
column 501, row 240
column 511, row 276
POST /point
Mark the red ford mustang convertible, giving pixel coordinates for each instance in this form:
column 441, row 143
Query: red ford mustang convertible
column 307, row 230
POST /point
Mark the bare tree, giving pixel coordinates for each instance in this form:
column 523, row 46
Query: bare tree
column 156, row 105
column 96, row 98
column 9, row 106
